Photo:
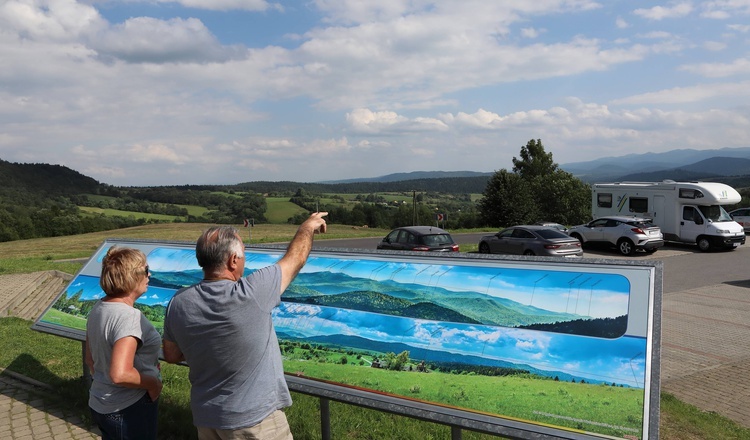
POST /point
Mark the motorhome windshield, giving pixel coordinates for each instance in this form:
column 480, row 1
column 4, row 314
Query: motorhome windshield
column 715, row 213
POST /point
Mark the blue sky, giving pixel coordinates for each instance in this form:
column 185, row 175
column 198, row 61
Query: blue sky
column 181, row 92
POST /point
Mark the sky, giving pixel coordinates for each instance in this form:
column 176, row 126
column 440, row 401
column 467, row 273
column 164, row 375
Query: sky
column 188, row 92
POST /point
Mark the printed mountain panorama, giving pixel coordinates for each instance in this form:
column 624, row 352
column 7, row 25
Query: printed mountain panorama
column 439, row 304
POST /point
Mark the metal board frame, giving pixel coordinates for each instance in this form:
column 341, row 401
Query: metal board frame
column 480, row 322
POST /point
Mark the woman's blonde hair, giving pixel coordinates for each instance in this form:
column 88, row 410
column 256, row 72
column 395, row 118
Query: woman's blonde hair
column 122, row 270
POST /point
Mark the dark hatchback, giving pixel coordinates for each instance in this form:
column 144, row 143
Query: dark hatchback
column 419, row 238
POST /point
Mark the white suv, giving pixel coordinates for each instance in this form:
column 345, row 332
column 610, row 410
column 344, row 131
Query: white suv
column 627, row 233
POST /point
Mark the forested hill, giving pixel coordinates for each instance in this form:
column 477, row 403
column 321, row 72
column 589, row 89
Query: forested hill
column 45, row 178
column 61, row 180
column 455, row 185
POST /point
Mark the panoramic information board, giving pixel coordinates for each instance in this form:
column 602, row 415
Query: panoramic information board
column 527, row 348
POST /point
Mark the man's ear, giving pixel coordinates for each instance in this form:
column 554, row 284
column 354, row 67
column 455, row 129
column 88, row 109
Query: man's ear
column 233, row 262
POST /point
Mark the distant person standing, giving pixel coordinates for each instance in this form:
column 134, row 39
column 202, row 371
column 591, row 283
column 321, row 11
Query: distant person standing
column 222, row 328
column 122, row 352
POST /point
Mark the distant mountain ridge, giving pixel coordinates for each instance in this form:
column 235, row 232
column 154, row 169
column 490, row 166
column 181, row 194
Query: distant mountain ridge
column 678, row 165
column 729, row 165
column 684, row 164
column 414, row 175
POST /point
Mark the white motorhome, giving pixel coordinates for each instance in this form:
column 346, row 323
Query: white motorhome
column 686, row 212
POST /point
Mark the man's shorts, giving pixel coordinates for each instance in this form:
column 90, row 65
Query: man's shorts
column 273, row 427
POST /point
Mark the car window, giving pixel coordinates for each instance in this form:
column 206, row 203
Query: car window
column 611, row 223
column 436, row 239
column 522, row 233
column 393, row 236
column 551, row 233
column 715, row 213
column 688, row 213
column 403, row 237
column 599, row 223
column 411, row 238
column 641, row 224
column 506, row 233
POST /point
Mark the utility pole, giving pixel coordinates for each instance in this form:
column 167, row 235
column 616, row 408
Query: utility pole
column 414, row 208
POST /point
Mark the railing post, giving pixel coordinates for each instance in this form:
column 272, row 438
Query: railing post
column 86, row 373
column 325, row 418
column 455, row 433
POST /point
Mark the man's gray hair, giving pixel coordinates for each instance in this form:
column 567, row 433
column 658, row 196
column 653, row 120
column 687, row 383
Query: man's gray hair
column 216, row 245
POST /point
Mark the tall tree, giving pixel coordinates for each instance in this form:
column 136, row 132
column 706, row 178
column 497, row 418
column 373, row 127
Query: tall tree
column 507, row 200
column 534, row 161
column 536, row 190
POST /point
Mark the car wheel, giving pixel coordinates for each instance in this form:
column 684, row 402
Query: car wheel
column 704, row 244
column 625, row 246
column 529, row 253
column 577, row 237
column 484, row 248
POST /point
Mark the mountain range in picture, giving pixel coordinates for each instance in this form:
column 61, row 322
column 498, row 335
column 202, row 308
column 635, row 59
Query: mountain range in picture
column 415, row 301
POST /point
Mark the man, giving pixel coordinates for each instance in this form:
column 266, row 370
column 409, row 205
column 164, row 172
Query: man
column 222, row 328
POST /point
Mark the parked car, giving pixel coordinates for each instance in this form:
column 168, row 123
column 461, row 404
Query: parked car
column 558, row 226
column 628, row 234
column 419, row 238
column 531, row 240
column 742, row 216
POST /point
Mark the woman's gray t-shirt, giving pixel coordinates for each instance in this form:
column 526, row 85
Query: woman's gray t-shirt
column 107, row 323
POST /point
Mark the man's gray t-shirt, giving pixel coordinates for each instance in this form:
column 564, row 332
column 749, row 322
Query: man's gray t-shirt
column 107, row 323
column 225, row 331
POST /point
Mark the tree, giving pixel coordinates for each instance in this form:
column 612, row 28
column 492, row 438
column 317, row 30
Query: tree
column 507, row 200
column 535, row 190
column 534, row 161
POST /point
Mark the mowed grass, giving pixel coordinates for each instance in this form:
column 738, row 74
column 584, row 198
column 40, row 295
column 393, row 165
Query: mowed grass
column 52, row 253
column 119, row 213
column 280, row 209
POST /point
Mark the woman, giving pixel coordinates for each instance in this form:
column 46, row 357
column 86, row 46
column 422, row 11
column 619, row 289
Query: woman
column 122, row 351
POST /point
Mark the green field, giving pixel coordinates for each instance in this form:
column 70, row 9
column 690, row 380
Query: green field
column 57, row 317
column 280, row 209
column 119, row 213
column 523, row 397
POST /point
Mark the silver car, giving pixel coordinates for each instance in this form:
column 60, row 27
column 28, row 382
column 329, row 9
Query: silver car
column 531, row 240
column 742, row 216
column 628, row 234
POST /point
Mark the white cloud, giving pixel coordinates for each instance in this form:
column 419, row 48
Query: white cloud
column 365, row 121
column 741, row 28
column 715, row 46
column 674, row 10
column 683, row 95
column 724, row 9
column 530, row 32
column 740, row 66
column 49, row 20
column 146, row 39
column 225, row 5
